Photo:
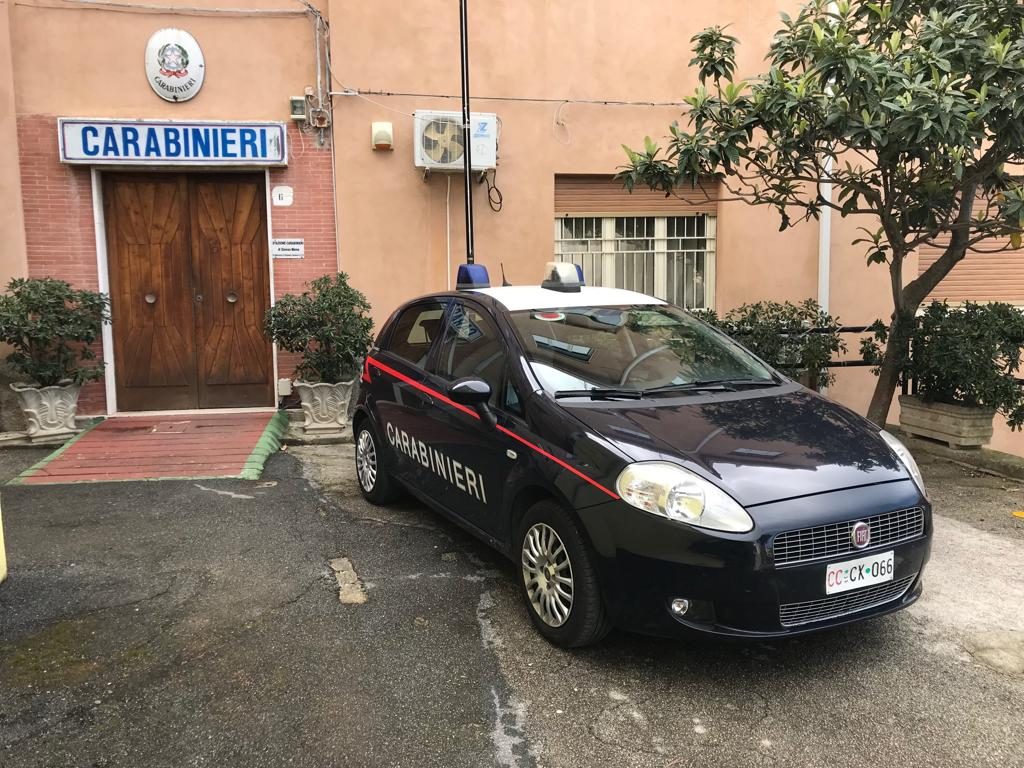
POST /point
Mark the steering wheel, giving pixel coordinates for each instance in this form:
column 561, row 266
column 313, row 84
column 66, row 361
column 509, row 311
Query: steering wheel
column 637, row 360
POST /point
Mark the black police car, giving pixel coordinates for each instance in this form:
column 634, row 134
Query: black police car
column 646, row 471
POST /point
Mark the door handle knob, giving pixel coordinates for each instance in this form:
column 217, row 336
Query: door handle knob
column 151, row 298
column 232, row 297
column 199, row 297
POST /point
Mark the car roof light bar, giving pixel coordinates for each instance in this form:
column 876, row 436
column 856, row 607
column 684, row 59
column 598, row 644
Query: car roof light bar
column 472, row 276
column 562, row 276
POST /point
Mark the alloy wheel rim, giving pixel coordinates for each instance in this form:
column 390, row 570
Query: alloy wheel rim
column 547, row 573
column 366, row 461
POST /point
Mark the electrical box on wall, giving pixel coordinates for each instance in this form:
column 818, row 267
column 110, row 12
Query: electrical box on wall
column 439, row 144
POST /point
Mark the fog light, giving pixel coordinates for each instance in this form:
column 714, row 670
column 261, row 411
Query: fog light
column 679, row 606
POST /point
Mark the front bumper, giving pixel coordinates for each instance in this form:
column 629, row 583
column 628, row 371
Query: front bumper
column 735, row 587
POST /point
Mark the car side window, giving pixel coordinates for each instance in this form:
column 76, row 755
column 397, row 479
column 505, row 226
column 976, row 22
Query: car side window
column 415, row 330
column 512, row 402
column 472, row 346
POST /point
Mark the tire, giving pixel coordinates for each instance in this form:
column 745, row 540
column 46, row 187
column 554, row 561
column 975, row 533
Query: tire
column 568, row 614
column 375, row 483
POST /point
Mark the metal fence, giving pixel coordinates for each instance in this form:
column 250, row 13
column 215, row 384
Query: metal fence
column 908, row 387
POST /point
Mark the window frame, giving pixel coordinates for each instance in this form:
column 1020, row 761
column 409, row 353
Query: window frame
column 385, row 343
column 610, row 253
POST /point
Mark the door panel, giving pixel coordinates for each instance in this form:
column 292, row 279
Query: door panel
column 471, row 480
column 402, row 408
column 151, row 291
column 231, row 273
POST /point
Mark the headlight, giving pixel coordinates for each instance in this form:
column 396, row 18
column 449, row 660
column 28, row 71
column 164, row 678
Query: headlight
column 669, row 490
column 908, row 461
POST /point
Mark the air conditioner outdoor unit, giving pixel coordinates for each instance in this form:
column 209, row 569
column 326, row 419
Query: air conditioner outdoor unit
column 439, row 143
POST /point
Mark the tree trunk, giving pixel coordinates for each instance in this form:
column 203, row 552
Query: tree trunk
column 897, row 351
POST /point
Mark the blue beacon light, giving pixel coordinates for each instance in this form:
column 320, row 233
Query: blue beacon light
column 471, row 276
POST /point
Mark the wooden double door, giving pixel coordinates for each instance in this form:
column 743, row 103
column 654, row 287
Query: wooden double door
column 189, row 285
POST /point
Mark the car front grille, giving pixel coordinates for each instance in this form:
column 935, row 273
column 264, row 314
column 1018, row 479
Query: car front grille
column 834, row 606
column 806, row 544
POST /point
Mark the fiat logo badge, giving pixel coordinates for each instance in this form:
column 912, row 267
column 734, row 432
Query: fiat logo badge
column 860, row 535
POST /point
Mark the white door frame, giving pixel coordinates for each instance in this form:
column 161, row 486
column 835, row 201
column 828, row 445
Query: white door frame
column 103, row 282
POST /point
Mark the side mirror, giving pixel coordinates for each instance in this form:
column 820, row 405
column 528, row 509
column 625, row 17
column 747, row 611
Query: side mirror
column 475, row 393
column 471, row 391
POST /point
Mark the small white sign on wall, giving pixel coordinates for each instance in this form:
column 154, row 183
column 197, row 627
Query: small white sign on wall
column 282, row 195
column 288, row 248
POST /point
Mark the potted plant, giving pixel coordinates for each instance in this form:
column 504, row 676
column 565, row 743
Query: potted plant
column 780, row 334
column 963, row 365
column 51, row 327
column 330, row 326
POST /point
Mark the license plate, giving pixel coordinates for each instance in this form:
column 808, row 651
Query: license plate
column 854, row 574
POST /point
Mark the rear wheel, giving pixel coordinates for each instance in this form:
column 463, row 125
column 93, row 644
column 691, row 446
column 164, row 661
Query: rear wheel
column 558, row 578
column 375, row 483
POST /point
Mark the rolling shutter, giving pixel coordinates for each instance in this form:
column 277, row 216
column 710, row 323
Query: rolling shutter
column 604, row 196
column 980, row 276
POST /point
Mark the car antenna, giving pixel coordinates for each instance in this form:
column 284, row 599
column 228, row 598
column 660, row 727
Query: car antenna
column 504, row 280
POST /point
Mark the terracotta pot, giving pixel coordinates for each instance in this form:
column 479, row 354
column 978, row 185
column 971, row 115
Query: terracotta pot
column 49, row 411
column 325, row 406
column 956, row 425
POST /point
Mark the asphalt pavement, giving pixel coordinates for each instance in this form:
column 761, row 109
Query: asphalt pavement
column 182, row 623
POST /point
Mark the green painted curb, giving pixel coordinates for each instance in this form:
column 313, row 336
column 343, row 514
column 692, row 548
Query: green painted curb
column 268, row 444
column 47, row 459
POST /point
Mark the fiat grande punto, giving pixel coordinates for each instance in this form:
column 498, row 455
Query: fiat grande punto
column 642, row 470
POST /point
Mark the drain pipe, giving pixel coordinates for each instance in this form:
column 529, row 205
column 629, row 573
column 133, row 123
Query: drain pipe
column 825, row 240
column 825, row 221
column 3, row 552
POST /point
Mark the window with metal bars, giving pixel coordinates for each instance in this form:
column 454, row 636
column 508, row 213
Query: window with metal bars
column 670, row 257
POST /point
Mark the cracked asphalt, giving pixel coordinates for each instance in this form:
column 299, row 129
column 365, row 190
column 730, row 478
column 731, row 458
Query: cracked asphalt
column 181, row 624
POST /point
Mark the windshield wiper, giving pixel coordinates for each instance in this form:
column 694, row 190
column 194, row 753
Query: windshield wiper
column 712, row 385
column 692, row 386
column 601, row 394
column 702, row 385
column 741, row 381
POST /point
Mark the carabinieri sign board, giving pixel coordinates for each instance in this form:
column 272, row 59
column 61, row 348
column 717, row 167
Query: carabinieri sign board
column 167, row 142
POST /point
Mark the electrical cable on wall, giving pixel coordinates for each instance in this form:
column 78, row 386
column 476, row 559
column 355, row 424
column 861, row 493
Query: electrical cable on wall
column 494, row 196
column 364, row 93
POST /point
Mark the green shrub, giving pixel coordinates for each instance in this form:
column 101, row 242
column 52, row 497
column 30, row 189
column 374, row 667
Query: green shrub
column 780, row 335
column 969, row 355
column 328, row 324
column 50, row 326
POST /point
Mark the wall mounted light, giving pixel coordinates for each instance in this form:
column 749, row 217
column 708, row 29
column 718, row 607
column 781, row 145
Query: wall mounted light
column 383, row 136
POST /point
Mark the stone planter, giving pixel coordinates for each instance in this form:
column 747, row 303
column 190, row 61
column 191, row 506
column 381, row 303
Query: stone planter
column 956, row 425
column 49, row 411
column 325, row 406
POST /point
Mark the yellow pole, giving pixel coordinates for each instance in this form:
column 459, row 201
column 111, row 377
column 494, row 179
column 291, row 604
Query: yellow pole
column 3, row 552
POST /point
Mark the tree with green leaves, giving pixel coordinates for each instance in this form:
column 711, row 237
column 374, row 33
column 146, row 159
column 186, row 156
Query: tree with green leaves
column 912, row 112
column 329, row 324
column 51, row 328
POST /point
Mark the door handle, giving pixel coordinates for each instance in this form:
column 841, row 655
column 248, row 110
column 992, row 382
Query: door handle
column 232, row 297
column 150, row 298
column 199, row 298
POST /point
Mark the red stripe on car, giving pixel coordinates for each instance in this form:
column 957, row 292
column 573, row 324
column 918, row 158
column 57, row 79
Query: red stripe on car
column 470, row 412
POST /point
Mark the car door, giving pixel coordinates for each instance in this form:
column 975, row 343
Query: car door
column 474, row 459
column 397, row 378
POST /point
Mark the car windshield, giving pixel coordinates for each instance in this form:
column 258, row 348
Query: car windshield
column 631, row 349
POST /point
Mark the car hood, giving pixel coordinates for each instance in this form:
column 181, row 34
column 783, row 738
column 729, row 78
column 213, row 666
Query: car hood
column 760, row 446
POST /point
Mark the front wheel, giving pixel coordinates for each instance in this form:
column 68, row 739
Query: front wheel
column 559, row 581
column 375, row 483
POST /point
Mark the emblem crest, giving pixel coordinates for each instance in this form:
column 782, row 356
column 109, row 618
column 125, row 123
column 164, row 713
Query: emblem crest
column 173, row 60
column 175, row 66
column 860, row 534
